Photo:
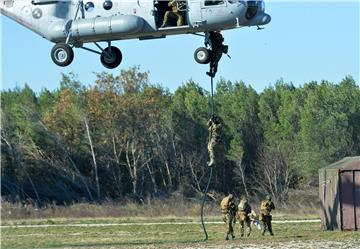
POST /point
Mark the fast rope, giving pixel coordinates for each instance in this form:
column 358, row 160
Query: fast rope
column 203, row 202
column 211, row 169
column 212, row 97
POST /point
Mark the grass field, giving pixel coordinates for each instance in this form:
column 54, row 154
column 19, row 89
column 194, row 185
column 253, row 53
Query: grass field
column 163, row 233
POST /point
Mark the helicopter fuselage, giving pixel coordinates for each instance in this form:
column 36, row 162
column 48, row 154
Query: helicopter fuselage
column 94, row 21
column 72, row 23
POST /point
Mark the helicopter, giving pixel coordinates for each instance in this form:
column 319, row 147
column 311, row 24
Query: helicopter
column 74, row 23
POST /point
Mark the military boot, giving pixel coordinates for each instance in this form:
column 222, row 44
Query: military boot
column 211, row 163
column 212, row 75
column 270, row 230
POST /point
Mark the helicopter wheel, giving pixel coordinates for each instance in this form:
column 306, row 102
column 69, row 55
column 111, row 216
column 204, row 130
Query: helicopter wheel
column 111, row 57
column 62, row 54
column 202, row 55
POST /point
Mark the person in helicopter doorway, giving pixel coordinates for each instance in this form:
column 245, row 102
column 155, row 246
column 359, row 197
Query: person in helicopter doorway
column 217, row 49
column 173, row 14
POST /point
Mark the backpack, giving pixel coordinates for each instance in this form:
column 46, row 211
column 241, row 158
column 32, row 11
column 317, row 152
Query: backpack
column 224, row 204
column 264, row 205
column 242, row 205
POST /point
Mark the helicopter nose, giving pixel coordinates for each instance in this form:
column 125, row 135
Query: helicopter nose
column 265, row 19
column 255, row 13
column 259, row 19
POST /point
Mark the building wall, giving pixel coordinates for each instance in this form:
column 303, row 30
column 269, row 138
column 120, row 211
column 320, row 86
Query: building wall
column 329, row 199
column 357, row 199
column 350, row 199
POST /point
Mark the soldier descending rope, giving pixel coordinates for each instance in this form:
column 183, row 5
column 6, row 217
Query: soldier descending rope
column 214, row 126
column 217, row 49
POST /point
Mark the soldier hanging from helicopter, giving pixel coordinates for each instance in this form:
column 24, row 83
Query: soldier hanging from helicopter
column 215, row 40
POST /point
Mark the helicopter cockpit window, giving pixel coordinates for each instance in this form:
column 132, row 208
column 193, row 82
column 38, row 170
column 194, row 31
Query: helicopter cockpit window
column 213, row 2
column 107, row 5
column 233, row 1
column 89, row 6
column 253, row 7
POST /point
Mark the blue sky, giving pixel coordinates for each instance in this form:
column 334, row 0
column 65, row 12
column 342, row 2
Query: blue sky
column 305, row 41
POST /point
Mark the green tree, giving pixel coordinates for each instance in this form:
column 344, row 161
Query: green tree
column 348, row 94
column 279, row 116
column 325, row 129
column 238, row 107
column 19, row 135
column 190, row 111
column 67, row 125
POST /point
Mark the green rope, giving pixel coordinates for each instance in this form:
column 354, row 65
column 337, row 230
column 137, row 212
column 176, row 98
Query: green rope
column 203, row 202
column 211, row 168
column 212, row 97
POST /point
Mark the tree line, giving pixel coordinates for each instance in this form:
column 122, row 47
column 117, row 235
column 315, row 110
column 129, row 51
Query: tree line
column 125, row 137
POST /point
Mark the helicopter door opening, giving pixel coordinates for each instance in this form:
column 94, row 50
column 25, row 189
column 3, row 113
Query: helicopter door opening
column 171, row 14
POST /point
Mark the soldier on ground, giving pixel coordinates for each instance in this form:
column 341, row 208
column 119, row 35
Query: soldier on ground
column 228, row 208
column 265, row 209
column 217, row 49
column 173, row 14
column 244, row 213
column 214, row 127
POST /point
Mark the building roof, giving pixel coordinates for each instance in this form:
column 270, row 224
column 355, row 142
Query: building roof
column 347, row 163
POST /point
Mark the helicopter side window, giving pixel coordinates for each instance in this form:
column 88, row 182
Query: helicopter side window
column 213, row 2
column 107, row 5
column 89, row 6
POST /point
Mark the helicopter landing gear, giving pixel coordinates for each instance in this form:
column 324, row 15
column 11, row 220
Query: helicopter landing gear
column 202, row 55
column 62, row 54
column 111, row 57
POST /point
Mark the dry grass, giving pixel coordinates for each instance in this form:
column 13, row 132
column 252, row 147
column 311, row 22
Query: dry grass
column 300, row 205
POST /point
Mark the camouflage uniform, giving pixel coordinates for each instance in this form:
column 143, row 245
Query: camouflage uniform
column 217, row 49
column 244, row 212
column 266, row 207
column 214, row 127
column 173, row 14
column 228, row 209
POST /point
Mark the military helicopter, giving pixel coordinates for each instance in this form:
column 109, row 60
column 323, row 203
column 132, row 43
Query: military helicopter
column 73, row 23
